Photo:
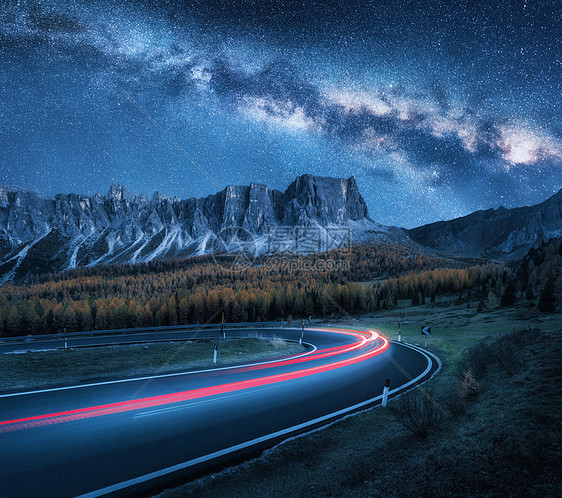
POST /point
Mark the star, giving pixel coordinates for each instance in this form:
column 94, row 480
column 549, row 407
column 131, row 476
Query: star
column 436, row 109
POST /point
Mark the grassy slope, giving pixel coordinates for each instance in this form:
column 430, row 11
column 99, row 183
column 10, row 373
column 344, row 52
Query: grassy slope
column 507, row 442
column 60, row 367
column 454, row 326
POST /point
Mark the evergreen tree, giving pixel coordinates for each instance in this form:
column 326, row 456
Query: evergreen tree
column 49, row 321
column 13, row 322
column 547, row 299
column 508, row 296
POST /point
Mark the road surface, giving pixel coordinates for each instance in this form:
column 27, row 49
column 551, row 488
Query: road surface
column 129, row 436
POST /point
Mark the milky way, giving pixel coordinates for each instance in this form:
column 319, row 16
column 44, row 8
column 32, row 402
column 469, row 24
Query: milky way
column 438, row 110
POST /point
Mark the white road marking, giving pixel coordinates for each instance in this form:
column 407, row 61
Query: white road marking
column 211, row 399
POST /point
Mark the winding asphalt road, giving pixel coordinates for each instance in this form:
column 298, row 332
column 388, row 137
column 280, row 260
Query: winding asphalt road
column 128, row 436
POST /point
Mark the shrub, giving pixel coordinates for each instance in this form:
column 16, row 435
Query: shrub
column 419, row 412
column 453, row 402
column 475, row 360
column 469, row 386
column 508, row 352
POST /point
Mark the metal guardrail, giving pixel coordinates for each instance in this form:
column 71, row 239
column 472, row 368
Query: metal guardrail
column 141, row 330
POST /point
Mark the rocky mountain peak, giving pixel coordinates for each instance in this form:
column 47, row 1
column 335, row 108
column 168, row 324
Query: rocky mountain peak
column 330, row 200
column 120, row 193
column 41, row 234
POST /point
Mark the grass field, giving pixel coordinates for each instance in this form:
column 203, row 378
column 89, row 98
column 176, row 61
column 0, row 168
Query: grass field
column 455, row 327
column 505, row 441
column 74, row 366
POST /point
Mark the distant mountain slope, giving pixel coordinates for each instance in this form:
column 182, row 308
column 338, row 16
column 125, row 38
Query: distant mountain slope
column 39, row 234
column 495, row 233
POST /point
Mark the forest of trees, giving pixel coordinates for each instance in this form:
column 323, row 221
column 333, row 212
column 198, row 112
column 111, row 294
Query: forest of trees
column 422, row 286
column 539, row 275
column 199, row 290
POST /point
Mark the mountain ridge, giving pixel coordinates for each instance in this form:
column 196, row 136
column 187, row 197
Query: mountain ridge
column 40, row 234
column 502, row 233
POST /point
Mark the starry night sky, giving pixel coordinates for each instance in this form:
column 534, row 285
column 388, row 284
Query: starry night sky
column 437, row 108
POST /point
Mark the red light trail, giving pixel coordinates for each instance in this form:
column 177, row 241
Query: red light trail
column 365, row 340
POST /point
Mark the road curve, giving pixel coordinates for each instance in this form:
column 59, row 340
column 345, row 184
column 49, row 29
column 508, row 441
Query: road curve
column 131, row 435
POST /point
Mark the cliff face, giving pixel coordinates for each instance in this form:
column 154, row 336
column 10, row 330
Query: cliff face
column 42, row 234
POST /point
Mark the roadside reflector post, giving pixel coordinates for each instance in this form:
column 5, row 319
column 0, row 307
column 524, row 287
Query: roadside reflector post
column 65, row 340
column 385, row 390
column 215, row 354
column 399, row 331
column 222, row 335
column 302, row 333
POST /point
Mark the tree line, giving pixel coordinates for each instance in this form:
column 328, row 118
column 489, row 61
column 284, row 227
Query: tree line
column 200, row 290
